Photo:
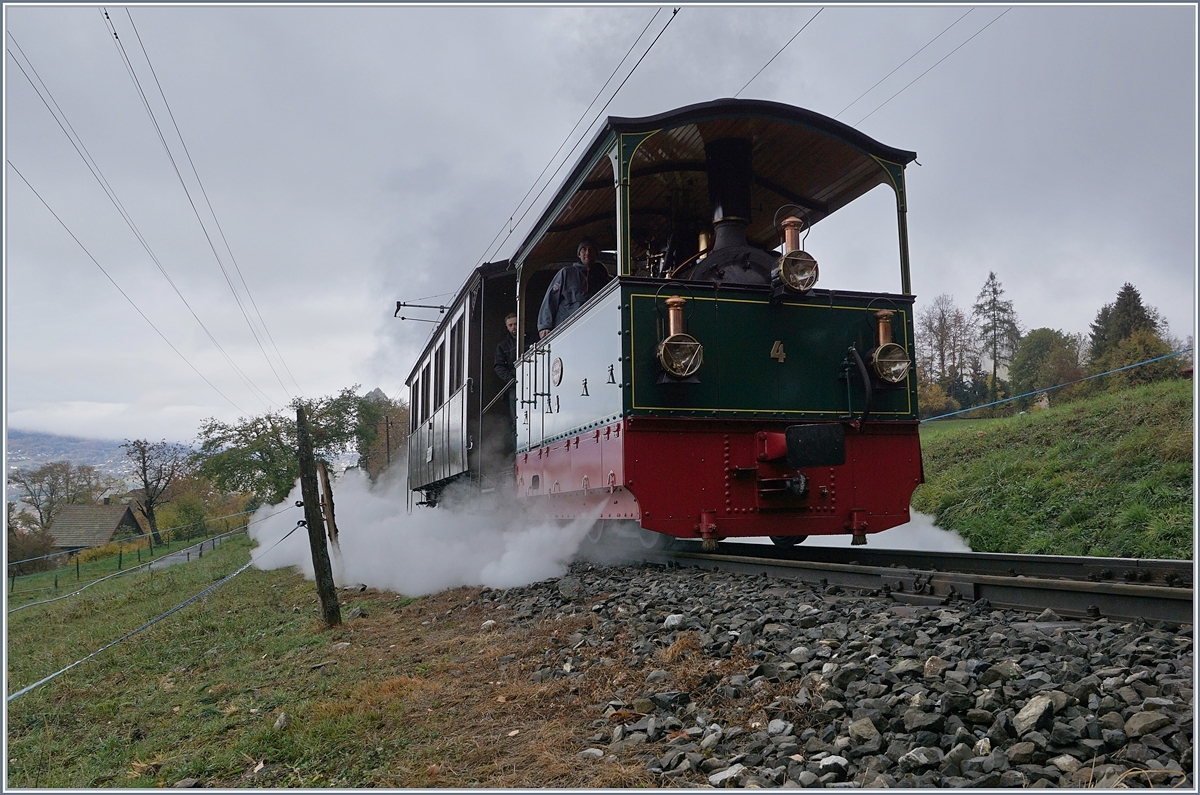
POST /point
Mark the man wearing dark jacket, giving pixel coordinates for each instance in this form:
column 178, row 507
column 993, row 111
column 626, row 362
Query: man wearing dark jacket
column 572, row 287
column 506, row 366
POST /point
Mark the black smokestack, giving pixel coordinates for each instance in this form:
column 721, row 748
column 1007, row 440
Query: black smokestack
column 729, row 174
column 732, row 259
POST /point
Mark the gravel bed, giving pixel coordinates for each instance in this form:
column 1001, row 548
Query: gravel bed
column 839, row 689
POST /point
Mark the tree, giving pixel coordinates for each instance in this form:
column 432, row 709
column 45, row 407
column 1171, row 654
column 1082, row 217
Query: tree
column 258, row 454
column 1046, row 357
column 51, row 486
column 934, row 401
column 389, row 418
column 1120, row 319
column 1127, row 332
column 1140, row 346
column 156, row 466
column 947, row 342
column 998, row 325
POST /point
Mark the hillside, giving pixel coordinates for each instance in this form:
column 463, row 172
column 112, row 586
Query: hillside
column 31, row 449
column 1106, row 476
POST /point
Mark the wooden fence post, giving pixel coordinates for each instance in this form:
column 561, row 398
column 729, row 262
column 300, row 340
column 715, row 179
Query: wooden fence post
column 322, row 569
column 327, row 503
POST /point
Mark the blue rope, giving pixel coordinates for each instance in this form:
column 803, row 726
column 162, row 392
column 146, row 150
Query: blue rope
column 1059, row 386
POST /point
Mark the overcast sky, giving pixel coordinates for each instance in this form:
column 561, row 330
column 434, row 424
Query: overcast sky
column 359, row 156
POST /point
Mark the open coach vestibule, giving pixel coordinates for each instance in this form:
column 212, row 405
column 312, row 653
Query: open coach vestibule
column 712, row 388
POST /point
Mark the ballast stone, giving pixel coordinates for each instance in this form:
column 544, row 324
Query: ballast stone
column 1036, row 712
column 855, row 673
column 1141, row 723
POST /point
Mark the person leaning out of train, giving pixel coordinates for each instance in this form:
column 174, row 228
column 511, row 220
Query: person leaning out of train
column 506, row 365
column 572, row 287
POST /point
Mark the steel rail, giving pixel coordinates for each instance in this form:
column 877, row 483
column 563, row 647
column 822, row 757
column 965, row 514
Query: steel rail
column 931, row 583
column 1147, row 571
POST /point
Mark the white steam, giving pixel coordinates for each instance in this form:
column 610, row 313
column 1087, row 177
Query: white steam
column 918, row 534
column 384, row 546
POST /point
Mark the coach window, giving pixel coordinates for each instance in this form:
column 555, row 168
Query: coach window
column 456, row 355
column 425, row 393
column 414, row 404
column 439, row 377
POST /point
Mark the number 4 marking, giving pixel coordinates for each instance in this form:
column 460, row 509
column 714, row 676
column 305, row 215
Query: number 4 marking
column 777, row 351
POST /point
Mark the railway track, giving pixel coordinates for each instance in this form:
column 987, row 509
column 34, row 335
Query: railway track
column 1122, row 589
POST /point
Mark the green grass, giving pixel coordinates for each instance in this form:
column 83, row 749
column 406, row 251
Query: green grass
column 411, row 701
column 1109, row 476
column 160, row 697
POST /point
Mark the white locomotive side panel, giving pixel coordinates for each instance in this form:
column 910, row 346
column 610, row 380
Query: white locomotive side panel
column 571, row 382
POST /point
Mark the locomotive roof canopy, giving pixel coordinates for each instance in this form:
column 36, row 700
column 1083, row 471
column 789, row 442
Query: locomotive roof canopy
column 799, row 157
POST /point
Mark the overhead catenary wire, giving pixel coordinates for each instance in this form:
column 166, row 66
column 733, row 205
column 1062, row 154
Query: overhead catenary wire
column 781, row 49
column 906, row 60
column 81, row 149
column 930, row 69
column 124, row 55
column 216, row 220
column 567, row 138
column 123, row 293
column 532, row 204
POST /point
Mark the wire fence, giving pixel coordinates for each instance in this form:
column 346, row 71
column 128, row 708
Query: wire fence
column 149, row 623
column 165, row 533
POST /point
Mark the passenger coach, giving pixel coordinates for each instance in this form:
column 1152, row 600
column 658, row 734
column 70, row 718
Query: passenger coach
column 713, row 388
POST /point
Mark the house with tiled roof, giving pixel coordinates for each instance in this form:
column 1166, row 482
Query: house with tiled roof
column 86, row 526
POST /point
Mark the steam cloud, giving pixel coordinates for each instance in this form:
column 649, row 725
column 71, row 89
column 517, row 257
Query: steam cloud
column 384, row 546
column 918, row 534
column 423, row 552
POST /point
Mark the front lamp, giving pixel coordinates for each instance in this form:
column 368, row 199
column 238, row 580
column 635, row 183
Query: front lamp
column 798, row 271
column 890, row 360
column 891, row 363
column 680, row 354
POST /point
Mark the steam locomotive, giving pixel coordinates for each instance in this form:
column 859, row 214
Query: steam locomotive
column 711, row 389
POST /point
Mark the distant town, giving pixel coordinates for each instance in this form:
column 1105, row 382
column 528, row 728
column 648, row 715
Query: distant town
column 30, row 449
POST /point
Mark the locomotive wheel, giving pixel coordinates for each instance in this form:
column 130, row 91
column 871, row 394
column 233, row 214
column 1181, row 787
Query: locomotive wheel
column 787, row 541
column 652, row 540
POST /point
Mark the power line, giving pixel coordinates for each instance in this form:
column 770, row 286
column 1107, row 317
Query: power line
column 89, row 161
column 166, row 148
column 930, row 69
column 191, row 201
column 594, row 118
column 216, row 220
column 781, row 49
column 572, row 132
column 122, row 292
column 906, row 60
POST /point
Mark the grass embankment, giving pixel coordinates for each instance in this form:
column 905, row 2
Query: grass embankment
column 1109, row 476
column 420, row 696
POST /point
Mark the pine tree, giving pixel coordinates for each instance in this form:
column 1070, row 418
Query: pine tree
column 1118, row 321
column 998, row 325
